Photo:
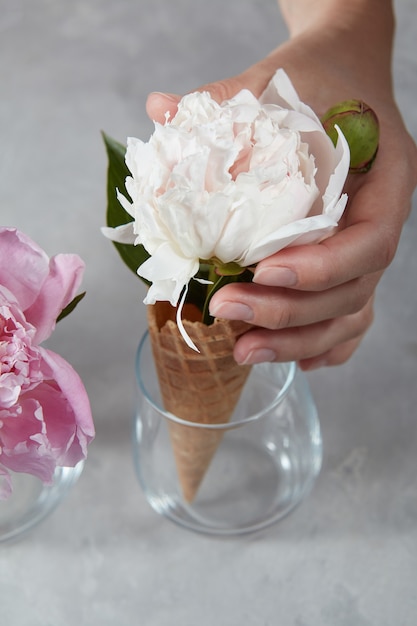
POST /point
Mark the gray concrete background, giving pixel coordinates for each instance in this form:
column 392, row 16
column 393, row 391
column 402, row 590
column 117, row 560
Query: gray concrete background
column 348, row 555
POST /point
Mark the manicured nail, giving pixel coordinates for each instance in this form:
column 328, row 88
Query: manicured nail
column 261, row 355
column 275, row 277
column 232, row 311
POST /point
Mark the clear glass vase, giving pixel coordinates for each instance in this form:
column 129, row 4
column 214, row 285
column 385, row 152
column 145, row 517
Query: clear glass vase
column 266, row 460
column 31, row 501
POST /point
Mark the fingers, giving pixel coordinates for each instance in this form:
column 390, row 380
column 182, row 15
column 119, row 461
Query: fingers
column 336, row 356
column 351, row 253
column 379, row 202
column 313, row 328
column 278, row 308
column 366, row 244
column 329, row 342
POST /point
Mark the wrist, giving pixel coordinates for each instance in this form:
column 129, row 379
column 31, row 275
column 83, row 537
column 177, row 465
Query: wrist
column 348, row 54
column 306, row 15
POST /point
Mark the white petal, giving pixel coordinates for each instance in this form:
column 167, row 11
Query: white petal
column 120, row 234
column 282, row 92
column 128, row 206
column 337, row 179
column 308, row 230
column 203, row 281
column 169, row 274
column 180, row 325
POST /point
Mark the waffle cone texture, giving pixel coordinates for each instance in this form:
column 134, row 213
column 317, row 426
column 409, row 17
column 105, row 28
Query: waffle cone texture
column 201, row 387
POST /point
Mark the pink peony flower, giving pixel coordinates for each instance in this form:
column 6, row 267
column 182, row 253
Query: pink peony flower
column 45, row 415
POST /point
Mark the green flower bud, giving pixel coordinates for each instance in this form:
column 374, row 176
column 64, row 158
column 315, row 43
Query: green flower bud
column 359, row 124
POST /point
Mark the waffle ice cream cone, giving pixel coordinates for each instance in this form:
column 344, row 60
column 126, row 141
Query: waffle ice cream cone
column 199, row 387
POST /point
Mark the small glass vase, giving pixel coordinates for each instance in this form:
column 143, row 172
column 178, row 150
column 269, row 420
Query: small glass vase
column 31, row 501
column 268, row 457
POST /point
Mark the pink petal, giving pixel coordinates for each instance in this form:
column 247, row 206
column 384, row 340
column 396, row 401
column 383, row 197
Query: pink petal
column 75, row 400
column 23, row 266
column 25, row 446
column 59, row 288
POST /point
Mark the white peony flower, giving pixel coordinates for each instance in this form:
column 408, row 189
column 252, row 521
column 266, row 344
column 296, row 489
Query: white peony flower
column 235, row 182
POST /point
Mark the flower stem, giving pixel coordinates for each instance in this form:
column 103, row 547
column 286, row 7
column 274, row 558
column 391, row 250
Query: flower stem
column 218, row 282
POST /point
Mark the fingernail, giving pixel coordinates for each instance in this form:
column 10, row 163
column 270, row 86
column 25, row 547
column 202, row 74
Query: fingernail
column 261, row 355
column 275, row 277
column 172, row 97
column 232, row 311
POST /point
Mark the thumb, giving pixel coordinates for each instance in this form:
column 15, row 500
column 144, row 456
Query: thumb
column 159, row 104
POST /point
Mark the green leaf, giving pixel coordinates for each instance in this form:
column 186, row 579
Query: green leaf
column 70, row 307
column 117, row 172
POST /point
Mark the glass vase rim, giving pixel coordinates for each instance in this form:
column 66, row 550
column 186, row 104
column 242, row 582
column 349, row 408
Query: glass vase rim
column 50, row 496
column 278, row 398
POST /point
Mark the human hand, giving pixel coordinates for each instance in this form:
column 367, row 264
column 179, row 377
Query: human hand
column 314, row 303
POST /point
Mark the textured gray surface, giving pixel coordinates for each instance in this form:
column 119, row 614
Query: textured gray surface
column 348, row 555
